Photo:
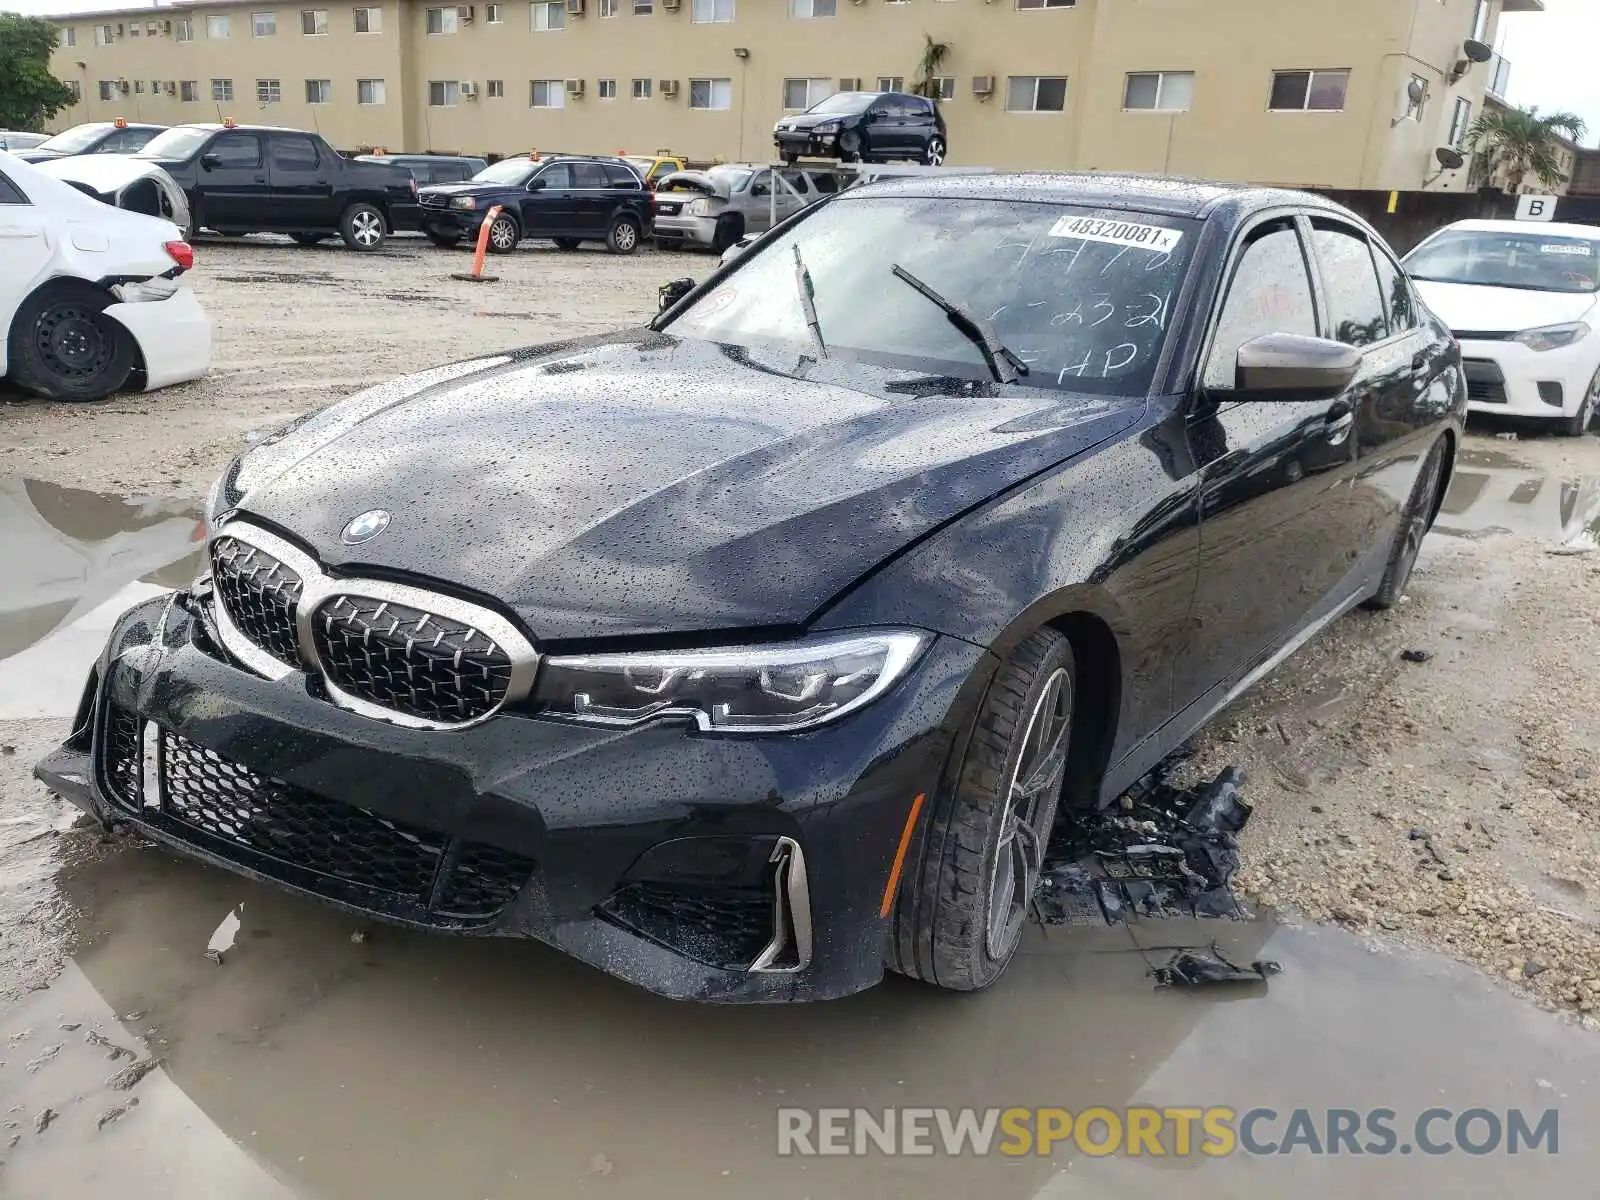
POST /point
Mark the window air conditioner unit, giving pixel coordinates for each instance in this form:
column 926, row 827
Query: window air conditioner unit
column 465, row 13
column 172, row 88
column 669, row 88
column 469, row 90
column 847, row 84
column 670, row 5
column 983, row 85
column 574, row 86
column 122, row 86
column 574, row 8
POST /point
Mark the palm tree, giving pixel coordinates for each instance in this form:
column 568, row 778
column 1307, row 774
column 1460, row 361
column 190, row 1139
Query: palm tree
column 929, row 65
column 1522, row 142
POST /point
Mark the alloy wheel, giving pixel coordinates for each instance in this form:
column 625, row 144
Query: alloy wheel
column 367, row 228
column 503, row 234
column 935, row 154
column 626, row 236
column 1029, row 800
column 71, row 342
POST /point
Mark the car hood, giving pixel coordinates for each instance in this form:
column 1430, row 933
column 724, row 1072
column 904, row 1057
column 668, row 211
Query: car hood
column 461, row 189
column 812, row 120
column 642, row 484
column 103, row 172
column 1481, row 309
column 692, row 181
column 38, row 156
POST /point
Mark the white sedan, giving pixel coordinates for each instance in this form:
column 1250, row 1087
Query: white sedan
column 90, row 298
column 1523, row 299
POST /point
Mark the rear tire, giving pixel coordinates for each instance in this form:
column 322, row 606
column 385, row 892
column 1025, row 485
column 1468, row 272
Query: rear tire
column 973, row 866
column 63, row 346
column 624, row 236
column 444, row 241
column 363, row 228
column 566, row 243
column 504, row 234
column 933, row 154
column 1413, row 528
column 309, row 239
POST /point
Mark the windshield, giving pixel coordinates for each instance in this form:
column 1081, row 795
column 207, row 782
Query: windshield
column 843, row 102
column 1082, row 297
column 1540, row 262
column 179, row 142
column 507, row 170
column 79, row 137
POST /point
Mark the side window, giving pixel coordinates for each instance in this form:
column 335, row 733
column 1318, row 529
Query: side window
column 1356, row 307
column 825, row 183
column 762, row 185
column 588, row 175
column 292, row 153
column 126, row 141
column 620, row 177
column 10, row 193
column 797, row 181
column 1396, row 291
column 450, row 172
column 1270, row 292
column 237, row 150
column 556, row 176
column 662, row 168
column 922, row 108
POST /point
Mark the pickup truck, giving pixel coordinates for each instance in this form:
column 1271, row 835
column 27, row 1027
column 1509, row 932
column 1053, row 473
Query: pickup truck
column 259, row 179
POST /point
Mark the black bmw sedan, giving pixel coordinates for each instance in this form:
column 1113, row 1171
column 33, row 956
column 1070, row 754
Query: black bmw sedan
column 748, row 654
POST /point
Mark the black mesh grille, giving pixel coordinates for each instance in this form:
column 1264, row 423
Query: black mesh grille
column 223, row 799
column 414, row 662
column 260, row 595
column 726, row 929
column 484, row 881
column 123, row 757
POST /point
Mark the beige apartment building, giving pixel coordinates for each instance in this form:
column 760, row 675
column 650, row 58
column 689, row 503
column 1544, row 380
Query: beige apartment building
column 1332, row 93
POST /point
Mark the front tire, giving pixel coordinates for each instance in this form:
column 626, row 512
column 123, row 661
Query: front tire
column 504, row 234
column 63, row 346
column 1578, row 424
column 624, row 236
column 974, row 866
column 933, row 155
column 1413, row 528
column 730, row 228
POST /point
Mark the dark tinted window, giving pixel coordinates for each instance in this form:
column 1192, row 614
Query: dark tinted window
column 10, row 193
column 620, row 176
column 588, row 175
column 556, row 175
column 293, row 153
column 920, row 106
column 126, row 141
column 1356, row 307
column 797, row 181
column 1270, row 293
column 762, row 185
column 450, row 172
column 424, row 173
column 1396, row 294
column 237, row 150
column 826, row 184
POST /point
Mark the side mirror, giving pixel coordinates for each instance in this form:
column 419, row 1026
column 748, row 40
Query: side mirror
column 1291, row 366
column 670, row 293
column 209, row 161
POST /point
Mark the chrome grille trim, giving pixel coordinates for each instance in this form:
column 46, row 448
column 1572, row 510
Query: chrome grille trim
column 318, row 587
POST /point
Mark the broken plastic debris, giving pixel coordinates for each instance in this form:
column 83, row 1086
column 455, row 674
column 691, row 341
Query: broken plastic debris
column 1195, row 967
column 223, row 937
column 1416, row 656
column 131, row 1074
column 116, row 1111
column 43, row 1120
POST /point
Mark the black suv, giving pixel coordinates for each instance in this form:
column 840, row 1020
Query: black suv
column 866, row 127
column 260, row 179
column 96, row 137
column 568, row 198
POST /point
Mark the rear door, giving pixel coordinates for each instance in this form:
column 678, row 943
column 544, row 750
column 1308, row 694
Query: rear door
column 301, row 193
column 593, row 198
column 24, row 250
column 231, row 182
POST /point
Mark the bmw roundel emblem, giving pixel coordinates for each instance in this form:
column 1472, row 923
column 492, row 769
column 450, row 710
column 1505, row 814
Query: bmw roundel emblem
column 366, row 526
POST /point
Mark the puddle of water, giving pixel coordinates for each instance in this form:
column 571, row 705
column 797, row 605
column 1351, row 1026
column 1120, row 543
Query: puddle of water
column 1492, row 492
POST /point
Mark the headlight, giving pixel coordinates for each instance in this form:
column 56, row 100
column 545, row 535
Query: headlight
column 698, row 208
column 827, row 127
column 1552, row 337
column 467, row 202
column 741, row 689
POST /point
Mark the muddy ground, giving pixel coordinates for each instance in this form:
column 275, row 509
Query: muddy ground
column 1426, row 851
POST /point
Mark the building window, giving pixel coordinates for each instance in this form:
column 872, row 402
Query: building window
column 133, row 29
column 606, row 89
column 641, row 89
column 75, row 90
column 1415, row 97
column 155, row 87
column 643, row 6
column 944, row 87
column 1309, row 91
column 706, row 12
column 369, row 91
column 1036, row 93
column 107, row 89
column 494, row 14
column 222, row 89
column 319, row 91
column 443, row 93
column 1046, row 3
column 69, row 36
column 1480, row 21
column 1159, row 91
column 442, row 20
column 813, row 8
column 546, row 93
column 497, row 89
column 138, row 87
column 150, row 29
column 891, row 83
column 183, row 29
column 369, row 20
column 263, row 24
column 798, row 94
column 711, row 93
column 102, row 35
column 1460, row 121
column 217, row 27
column 547, row 15
column 189, row 91
column 314, row 22
column 609, row 8
column 268, row 91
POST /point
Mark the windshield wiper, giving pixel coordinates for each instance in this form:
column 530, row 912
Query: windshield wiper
column 808, row 306
column 1003, row 364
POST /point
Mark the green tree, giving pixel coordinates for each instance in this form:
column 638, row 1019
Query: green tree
column 29, row 94
column 934, row 55
column 1523, row 143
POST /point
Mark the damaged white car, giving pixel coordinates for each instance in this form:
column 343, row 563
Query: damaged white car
column 123, row 182
column 90, row 298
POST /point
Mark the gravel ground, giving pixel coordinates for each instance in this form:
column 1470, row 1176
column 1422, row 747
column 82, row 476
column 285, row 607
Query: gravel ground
column 1453, row 802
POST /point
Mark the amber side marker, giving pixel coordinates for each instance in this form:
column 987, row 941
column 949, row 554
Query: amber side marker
column 900, row 856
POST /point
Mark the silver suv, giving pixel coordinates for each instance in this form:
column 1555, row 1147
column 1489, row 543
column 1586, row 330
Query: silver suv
column 718, row 206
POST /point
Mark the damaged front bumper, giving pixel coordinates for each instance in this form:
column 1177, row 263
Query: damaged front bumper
column 699, row 867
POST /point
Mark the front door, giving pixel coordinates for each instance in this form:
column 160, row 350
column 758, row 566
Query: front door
column 301, row 193
column 549, row 209
column 231, row 182
column 1275, row 478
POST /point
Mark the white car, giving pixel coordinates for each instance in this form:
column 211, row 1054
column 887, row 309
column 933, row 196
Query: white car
column 90, row 298
column 1523, row 299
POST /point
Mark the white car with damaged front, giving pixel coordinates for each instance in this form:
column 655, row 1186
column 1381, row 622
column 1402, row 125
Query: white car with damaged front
column 90, row 295
column 1523, row 299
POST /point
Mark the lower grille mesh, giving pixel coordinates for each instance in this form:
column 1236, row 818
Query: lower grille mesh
column 726, row 929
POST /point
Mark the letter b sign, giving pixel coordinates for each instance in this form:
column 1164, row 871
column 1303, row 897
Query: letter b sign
column 1536, row 208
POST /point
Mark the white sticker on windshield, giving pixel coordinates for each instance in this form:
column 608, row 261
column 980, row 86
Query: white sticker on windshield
column 1566, row 248
column 1118, row 233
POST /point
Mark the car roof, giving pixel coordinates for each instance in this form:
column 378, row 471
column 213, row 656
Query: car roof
column 1557, row 228
column 219, row 128
column 391, row 158
column 1138, row 193
column 112, row 125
